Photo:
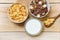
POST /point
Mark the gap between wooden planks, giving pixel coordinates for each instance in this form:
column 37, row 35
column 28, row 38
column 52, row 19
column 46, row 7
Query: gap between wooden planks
column 24, row 36
column 15, row 1
column 7, row 25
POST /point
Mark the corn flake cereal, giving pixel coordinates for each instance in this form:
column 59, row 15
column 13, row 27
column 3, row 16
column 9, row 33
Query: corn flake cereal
column 18, row 12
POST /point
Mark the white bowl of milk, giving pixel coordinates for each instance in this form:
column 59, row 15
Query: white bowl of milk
column 33, row 27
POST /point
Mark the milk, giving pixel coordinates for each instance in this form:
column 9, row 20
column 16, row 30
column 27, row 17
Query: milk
column 33, row 27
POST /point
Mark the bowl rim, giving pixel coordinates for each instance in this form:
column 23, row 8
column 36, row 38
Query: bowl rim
column 39, row 31
column 48, row 7
column 14, row 20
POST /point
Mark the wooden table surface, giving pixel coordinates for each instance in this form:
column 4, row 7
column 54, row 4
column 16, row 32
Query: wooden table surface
column 11, row 31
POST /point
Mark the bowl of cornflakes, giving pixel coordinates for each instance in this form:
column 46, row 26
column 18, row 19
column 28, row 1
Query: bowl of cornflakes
column 18, row 13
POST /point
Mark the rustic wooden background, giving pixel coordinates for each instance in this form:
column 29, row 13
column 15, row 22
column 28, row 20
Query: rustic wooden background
column 11, row 31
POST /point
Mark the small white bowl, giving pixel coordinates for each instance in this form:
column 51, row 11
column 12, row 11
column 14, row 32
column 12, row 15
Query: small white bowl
column 20, row 21
column 48, row 7
column 33, row 27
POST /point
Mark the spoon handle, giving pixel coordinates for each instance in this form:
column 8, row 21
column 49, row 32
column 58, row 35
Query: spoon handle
column 57, row 16
column 50, row 21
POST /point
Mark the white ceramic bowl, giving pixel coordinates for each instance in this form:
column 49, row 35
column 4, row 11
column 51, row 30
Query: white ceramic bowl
column 48, row 7
column 22, row 20
column 33, row 27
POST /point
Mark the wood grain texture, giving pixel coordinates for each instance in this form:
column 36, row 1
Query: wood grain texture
column 24, row 36
column 7, row 25
column 7, row 28
column 15, row 1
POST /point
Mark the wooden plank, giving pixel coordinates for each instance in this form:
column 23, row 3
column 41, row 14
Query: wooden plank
column 24, row 36
column 7, row 25
column 55, row 10
column 16, row 1
column 7, row 1
column 55, row 27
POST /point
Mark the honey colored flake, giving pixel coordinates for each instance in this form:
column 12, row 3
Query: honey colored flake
column 18, row 12
column 48, row 22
